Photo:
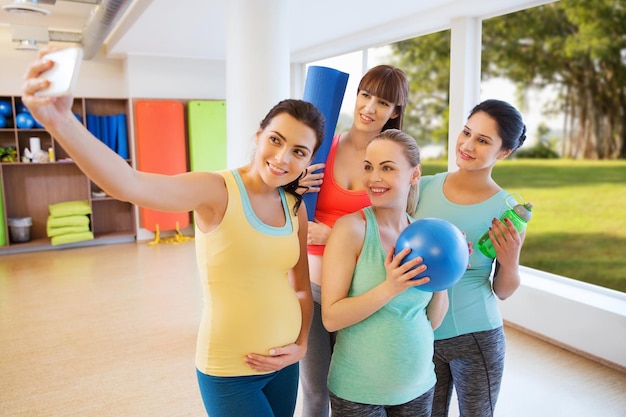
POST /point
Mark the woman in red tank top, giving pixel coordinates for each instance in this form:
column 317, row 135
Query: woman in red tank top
column 380, row 103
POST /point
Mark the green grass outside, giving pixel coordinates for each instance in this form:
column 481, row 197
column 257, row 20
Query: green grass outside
column 578, row 229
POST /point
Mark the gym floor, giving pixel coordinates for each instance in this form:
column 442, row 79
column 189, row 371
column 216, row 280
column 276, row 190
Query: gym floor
column 110, row 331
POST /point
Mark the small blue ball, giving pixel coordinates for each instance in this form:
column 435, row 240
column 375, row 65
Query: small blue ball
column 6, row 109
column 3, row 122
column 443, row 248
column 24, row 121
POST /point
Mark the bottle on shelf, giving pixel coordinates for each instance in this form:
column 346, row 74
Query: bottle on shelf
column 519, row 214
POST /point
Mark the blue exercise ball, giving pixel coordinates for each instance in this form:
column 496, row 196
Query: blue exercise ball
column 21, row 108
column 24, row 121
column 6, row 109
column 3, row 122
column 443, row 248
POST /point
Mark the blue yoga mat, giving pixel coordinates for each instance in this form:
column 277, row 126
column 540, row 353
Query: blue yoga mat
column 111, row 130
column 324, row 87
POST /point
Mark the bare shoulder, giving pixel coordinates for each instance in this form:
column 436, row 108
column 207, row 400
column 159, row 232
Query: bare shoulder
column 214, row 199
column 351, row 226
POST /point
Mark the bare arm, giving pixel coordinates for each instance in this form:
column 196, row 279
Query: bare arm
column 508, row 244
column 437, row 308
column 343, row 247
column 299, row 278
column 184, row 192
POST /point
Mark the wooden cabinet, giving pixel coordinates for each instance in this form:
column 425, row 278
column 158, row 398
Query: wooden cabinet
column 28, row 188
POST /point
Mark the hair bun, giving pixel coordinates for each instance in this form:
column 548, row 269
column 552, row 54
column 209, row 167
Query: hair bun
column 522, row 137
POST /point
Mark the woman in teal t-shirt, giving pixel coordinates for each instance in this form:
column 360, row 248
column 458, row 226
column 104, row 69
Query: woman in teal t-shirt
column 470, row 343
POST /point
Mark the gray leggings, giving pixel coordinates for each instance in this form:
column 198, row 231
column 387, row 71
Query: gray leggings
column 472, row 364
column 418, row 407
column 314, row 366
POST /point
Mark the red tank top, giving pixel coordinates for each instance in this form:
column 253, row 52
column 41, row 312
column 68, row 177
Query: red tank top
column 333, row 200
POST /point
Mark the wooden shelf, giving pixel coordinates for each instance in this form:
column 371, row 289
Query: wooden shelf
column 29, row 188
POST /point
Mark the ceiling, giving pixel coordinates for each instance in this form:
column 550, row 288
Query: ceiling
column 318, row 29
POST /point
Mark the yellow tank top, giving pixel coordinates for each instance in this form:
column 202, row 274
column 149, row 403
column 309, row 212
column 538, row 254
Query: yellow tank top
column 249, row 304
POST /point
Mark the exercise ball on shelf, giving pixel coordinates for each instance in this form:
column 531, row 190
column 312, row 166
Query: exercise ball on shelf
column 3, row 122
column 5, row 108
column 24, row 121
column 21, row 108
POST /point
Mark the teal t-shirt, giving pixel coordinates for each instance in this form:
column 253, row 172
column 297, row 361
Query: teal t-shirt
column 385, row 359
column 473, row 306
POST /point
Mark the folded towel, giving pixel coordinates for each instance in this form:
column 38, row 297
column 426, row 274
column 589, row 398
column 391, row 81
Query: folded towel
column 78, row 220
column 57, row 231
column 71, row 238
column 69, row 208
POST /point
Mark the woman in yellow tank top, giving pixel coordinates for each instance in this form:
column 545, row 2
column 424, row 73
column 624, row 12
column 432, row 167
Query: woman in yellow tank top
column 251, row 235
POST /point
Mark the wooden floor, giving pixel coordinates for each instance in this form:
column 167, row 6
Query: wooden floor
column 110, row 331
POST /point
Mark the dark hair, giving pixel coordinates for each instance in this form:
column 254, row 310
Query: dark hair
column 412, row 154
column 306, row 113
column 511, row 127
column 388, row 83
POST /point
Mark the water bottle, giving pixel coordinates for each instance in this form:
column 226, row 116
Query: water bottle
column 519, row 214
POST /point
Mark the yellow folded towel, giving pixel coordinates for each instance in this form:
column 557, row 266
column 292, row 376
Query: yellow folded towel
column 70, row 208
column 57, row 231
column 79, row 220
column 71, row 238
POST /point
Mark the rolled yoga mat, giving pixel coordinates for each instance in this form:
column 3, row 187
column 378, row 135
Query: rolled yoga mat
column 324, row 87
column 207, row 135
column 161, row 149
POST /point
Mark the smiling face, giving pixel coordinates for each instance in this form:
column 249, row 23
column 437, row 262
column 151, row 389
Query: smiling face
column 387, row 174
column 479, row 145
column 372, row 112
column 284, row 150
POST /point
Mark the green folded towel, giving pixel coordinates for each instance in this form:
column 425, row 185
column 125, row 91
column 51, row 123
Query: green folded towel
column 70, row 208
column 79, row 220
column 71, row 238
column 58, row 231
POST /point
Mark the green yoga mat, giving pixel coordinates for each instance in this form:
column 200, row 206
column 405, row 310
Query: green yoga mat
column 207, row 135
column 3, row 226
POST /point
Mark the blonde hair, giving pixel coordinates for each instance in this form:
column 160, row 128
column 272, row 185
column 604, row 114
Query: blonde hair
column 412, row 154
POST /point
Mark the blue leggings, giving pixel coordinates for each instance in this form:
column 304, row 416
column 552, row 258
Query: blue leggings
column 268, row 395
column 473, row 365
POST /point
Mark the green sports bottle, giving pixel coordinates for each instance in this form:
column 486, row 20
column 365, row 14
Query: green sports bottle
column 520, row 214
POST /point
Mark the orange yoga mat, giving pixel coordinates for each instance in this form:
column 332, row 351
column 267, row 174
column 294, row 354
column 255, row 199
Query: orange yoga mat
column 161, row 149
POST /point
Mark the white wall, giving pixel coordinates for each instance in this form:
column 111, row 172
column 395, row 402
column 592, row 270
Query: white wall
column 98, row 78
column 157, row 77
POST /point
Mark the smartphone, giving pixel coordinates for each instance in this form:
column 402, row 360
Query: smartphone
column 64, row 72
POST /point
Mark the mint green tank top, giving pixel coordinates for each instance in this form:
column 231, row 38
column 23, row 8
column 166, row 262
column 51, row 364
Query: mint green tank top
column 385, row 359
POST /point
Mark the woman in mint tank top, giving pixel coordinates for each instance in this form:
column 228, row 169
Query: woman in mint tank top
column 470, row 343
column 382, row 362
column 240, row 373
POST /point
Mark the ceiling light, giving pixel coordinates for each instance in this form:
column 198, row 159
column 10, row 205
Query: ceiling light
column 26, row 7
column 27, row 37
column 26, row 45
